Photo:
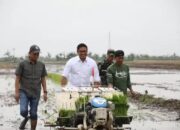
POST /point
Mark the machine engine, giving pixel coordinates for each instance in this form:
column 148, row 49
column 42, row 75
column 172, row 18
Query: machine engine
column 98, row 113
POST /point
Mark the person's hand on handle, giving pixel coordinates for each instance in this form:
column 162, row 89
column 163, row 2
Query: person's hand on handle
column 110, row 86
column 97, row 84
column 132, row 92
column 63, row 81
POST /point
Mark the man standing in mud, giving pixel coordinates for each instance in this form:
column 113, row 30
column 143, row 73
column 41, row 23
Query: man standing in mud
column 30, row 75
column 118, row 74
column 104, row 65
column 78, row 70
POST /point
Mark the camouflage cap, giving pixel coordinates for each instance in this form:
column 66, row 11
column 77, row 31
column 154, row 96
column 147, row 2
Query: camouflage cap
column 110, row 52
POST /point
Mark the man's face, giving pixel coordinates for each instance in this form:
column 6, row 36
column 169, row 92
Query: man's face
column 82, row 52
column 34, row 56
column 110, row 58
column 119, row 59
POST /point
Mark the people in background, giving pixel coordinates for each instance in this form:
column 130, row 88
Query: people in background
column 102, row 66
column 118, row 74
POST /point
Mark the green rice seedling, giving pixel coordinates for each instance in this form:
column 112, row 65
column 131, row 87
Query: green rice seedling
column 79, row 103
column 66, row 113
column 65, row 117
column 121, row 106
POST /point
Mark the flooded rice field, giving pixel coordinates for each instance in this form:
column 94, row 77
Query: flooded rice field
column 149, row 118
column 10, row 118
column 160, row 83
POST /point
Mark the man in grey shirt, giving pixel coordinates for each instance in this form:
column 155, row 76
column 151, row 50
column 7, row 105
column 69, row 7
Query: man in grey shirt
column 30, row 75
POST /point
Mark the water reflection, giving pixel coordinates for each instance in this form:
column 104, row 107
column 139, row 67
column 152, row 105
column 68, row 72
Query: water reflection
column 158, row 82
column 9, row 109
column 161, row 83
column 149, row 118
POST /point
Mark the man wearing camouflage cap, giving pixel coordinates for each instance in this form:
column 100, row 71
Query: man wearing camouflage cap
column 102, row 66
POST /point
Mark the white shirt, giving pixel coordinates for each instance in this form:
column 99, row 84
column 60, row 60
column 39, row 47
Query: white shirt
column 79, row 73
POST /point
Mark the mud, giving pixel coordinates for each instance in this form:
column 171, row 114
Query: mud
column 151, row 118
column 160, row 103
column 149, row 113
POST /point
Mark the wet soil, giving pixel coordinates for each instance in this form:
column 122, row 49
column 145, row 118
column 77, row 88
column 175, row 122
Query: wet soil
column 153, row 102
column 148, row 112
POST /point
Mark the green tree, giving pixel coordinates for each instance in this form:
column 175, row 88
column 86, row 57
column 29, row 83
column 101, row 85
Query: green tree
column 7, row 53
column 131, row 57
column 70, row 55
column 48, row 55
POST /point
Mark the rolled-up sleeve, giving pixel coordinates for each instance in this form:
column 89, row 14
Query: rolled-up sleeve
column 67, row 69
column 44, row 72
column 128, row 79
column 19, row 69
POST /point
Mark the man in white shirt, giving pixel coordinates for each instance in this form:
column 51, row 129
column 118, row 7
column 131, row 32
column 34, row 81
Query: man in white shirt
column 81, row 69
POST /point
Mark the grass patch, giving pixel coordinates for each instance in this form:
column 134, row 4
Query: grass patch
column 56, row 78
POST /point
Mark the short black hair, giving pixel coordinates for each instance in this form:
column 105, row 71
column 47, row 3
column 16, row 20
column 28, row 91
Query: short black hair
column 81, row 45
column 119, row 53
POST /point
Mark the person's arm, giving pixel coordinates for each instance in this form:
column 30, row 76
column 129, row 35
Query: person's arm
column 65, row 74
column 96, row 76
column 17, row 84
column 99, row 65
column 109, row 77
column 132, row 92
column 43, row 82
column 129, row 83
column 18, row 73
column 63, row 81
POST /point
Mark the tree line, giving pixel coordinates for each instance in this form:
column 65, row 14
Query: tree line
column 63, row 57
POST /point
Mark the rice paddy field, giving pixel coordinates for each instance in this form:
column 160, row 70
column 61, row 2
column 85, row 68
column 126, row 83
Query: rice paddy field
column 160, row 83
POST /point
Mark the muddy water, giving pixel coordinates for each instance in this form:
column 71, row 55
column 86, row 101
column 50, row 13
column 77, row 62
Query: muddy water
column 160, row 83
column 145, row 118
column 9, row 110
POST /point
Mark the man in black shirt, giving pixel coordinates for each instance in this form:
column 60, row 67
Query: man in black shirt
column 104, row 65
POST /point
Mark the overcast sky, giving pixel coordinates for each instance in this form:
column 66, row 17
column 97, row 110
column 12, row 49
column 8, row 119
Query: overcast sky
column 57, row 26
